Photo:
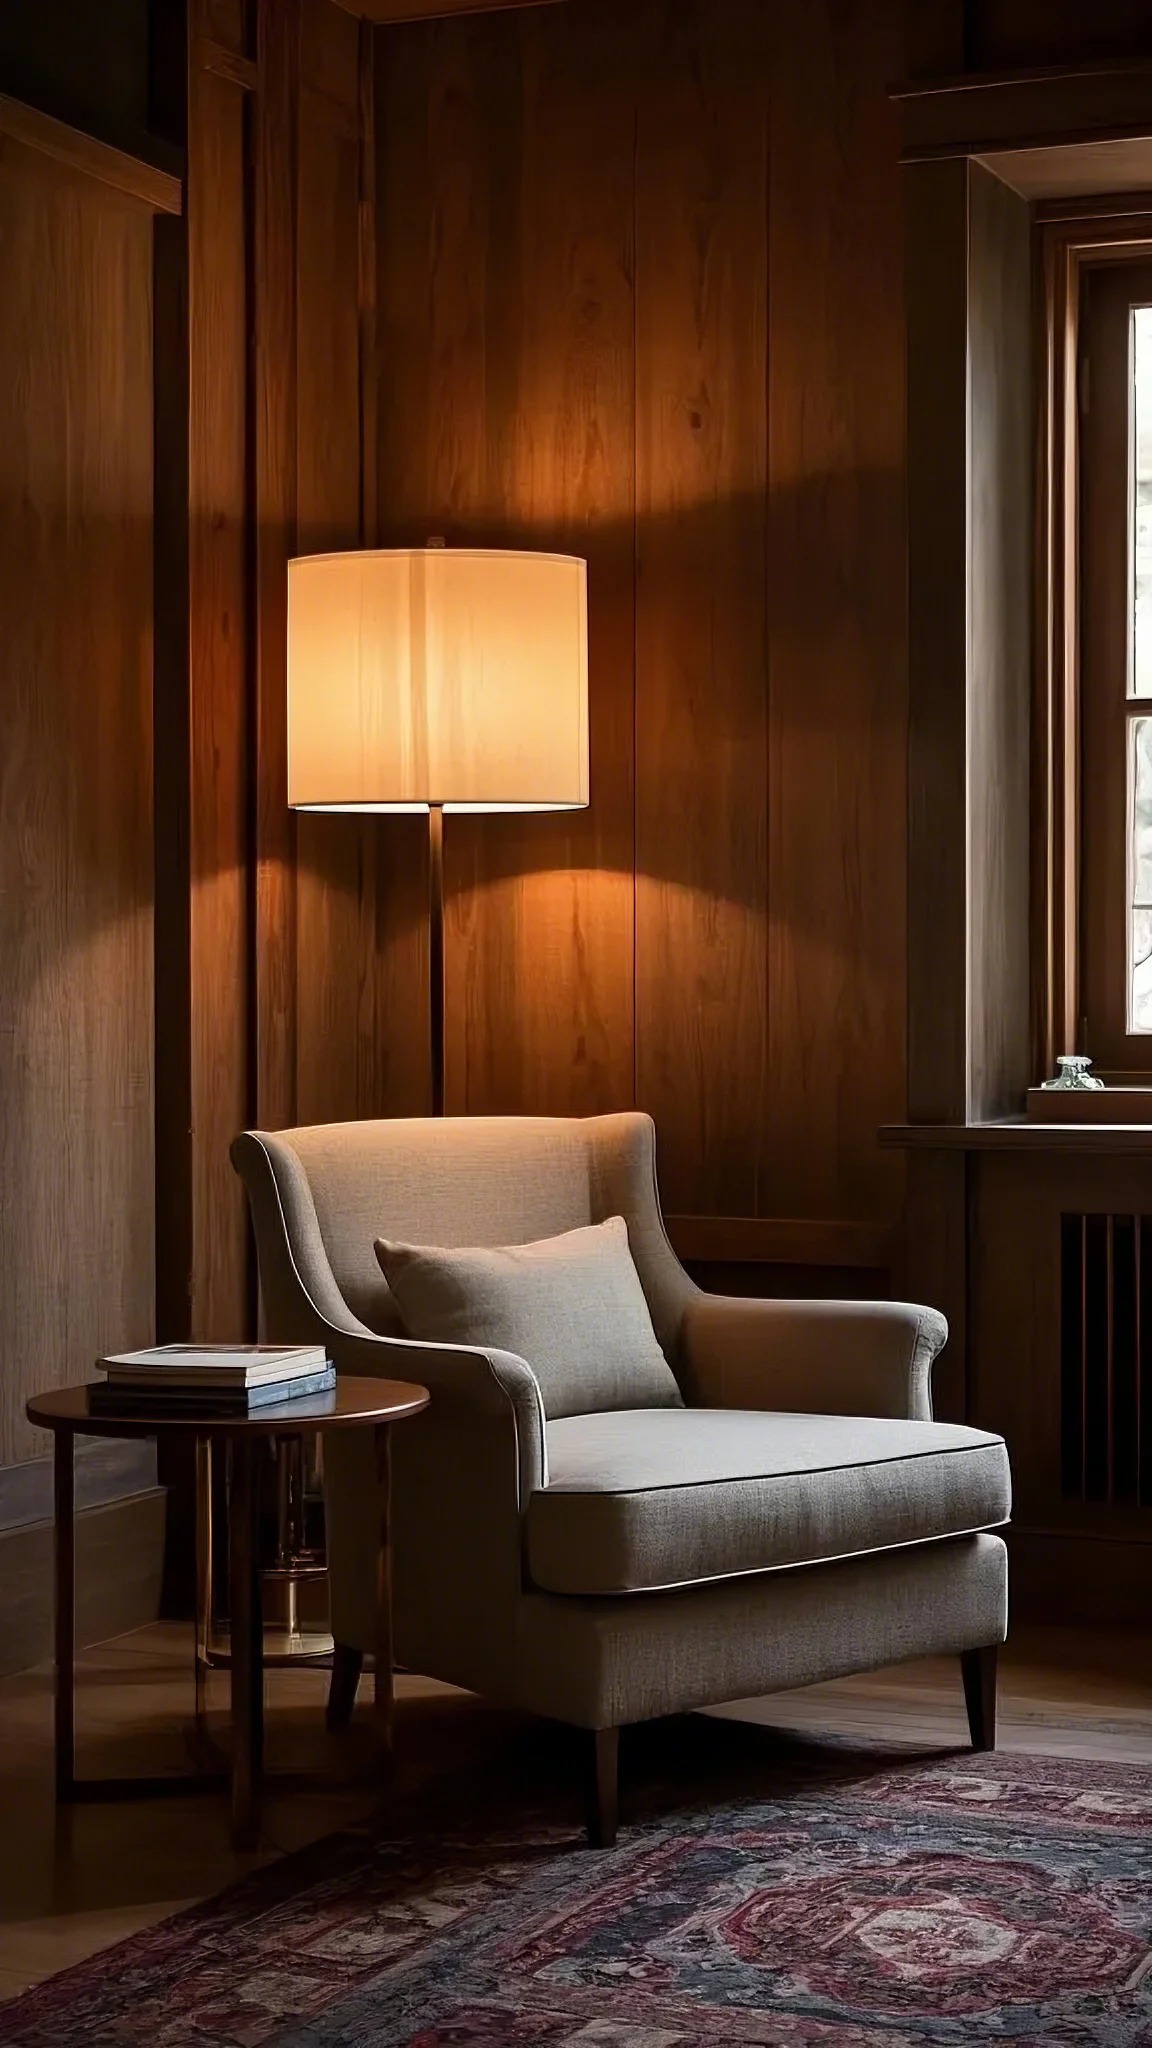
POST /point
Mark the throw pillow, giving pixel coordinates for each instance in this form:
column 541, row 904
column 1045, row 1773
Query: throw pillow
column 572, row 1306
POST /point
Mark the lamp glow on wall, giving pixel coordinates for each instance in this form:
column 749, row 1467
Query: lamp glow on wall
column 437, row 679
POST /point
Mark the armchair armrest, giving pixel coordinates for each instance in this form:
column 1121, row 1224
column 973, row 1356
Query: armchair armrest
column 812, row 1357
column 466, row 1384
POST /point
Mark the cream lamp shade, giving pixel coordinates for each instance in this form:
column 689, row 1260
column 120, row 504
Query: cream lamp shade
column 423, row 677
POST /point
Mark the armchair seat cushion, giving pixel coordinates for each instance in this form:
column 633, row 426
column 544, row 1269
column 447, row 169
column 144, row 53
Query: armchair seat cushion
column 643, row 1500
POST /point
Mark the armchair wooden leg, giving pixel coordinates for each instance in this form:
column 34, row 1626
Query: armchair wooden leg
column 979, row 1671
column 347, row 1664
column 603, row 1788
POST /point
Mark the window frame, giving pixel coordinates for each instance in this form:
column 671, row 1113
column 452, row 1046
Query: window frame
column 1075, row 237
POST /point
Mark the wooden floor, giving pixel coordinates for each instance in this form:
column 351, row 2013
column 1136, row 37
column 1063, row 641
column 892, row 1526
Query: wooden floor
column 69, row 1887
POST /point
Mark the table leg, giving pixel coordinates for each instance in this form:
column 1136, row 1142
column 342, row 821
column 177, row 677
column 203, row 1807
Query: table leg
column 203, row 1491
column 384, row 1700
column 65, row 1541
column 247, row 1641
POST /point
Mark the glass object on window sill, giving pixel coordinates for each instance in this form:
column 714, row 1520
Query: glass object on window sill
column 1074, row 1073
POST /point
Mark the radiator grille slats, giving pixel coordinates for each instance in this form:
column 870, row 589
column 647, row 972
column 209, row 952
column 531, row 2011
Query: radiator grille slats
column 1106, row 1359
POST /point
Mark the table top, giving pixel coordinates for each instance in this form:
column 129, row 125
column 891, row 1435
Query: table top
column 352, row 1404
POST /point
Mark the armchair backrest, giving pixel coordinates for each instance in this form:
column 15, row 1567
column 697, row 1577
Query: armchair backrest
column 322, row 1195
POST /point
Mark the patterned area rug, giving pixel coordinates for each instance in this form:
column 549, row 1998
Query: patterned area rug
column 851, row 1901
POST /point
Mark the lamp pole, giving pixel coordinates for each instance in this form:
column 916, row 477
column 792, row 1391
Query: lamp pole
column 436, row 954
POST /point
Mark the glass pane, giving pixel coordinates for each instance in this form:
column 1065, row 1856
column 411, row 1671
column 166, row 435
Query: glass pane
column 1140, row 869
column 1140, row 663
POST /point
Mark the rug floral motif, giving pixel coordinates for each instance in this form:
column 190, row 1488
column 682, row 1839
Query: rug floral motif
column 853, row 1902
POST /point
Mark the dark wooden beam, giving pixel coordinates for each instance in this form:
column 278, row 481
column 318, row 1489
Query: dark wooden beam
column 131, row 175
column 385, row 11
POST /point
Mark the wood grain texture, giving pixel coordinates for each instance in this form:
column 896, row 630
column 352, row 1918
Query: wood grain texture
column 1104, row 618
column 342, row 1028
column 1015, row 111
column 171, row 685
column 1068, row 172
column 1055, row 767
column 1000, row 570
column 272, row 429
column 616, row 314
column 1022, row 1134
column 390, row 11
column 837, row 624
column 781, row 1240
column 218, row 765
column 701, row 513
column 76, row 1138
column 132, row 176
column 936, row 197
column 541, row 932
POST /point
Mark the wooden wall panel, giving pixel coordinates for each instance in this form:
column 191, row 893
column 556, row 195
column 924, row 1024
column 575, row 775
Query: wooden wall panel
column 273, row 121
column 701, row 568
column 340, row 1050
column 639, row 295
column 837, row 633
column 506, row 407
column 400, row 372
column 542, row 925
column 76, row 1142
column 220, row 661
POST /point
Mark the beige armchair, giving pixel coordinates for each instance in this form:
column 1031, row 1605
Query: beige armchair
column 799, row 1517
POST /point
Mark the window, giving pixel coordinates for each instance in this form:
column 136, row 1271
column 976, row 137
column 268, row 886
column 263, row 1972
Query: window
column 1115, row 664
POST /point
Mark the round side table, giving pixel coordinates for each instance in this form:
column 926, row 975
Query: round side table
column 353, row 1404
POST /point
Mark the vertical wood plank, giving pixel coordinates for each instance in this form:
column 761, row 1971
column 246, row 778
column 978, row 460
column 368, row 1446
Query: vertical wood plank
column 541, row 933
column 701, row 736
column 171, row 683
column 219, row 668
column 76, row 852
column 431, row 236
column 339, row 1059
column 837, row 633
column 273, row 428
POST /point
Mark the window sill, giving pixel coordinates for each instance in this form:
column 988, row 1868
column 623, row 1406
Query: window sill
column 1018, row 1134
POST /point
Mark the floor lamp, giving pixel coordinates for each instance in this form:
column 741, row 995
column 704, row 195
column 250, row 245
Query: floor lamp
column 437, row 679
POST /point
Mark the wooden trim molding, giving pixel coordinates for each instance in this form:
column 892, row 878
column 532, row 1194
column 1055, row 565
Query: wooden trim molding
column 782, row 1241
column 383, row 12
column 130, row 175
column 106, row 1470
column 1067, row 246
column 224, row 63
column 1017, row 1134
column 1018, row 112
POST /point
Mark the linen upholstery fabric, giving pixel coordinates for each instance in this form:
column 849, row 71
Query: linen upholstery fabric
column 465, row 1471
column 604, row 1663
column 458, row 1181
column 845, row 1358
column 637, row 1502
column 571, row 1306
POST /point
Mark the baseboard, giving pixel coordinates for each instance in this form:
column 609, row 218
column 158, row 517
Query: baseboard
column 119, row 1564
column 1080, row 1580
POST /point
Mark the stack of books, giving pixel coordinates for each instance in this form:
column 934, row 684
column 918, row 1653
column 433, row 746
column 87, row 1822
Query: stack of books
column 210, row 1379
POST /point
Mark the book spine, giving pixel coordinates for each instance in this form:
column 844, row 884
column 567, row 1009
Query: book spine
column 119, row 1400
